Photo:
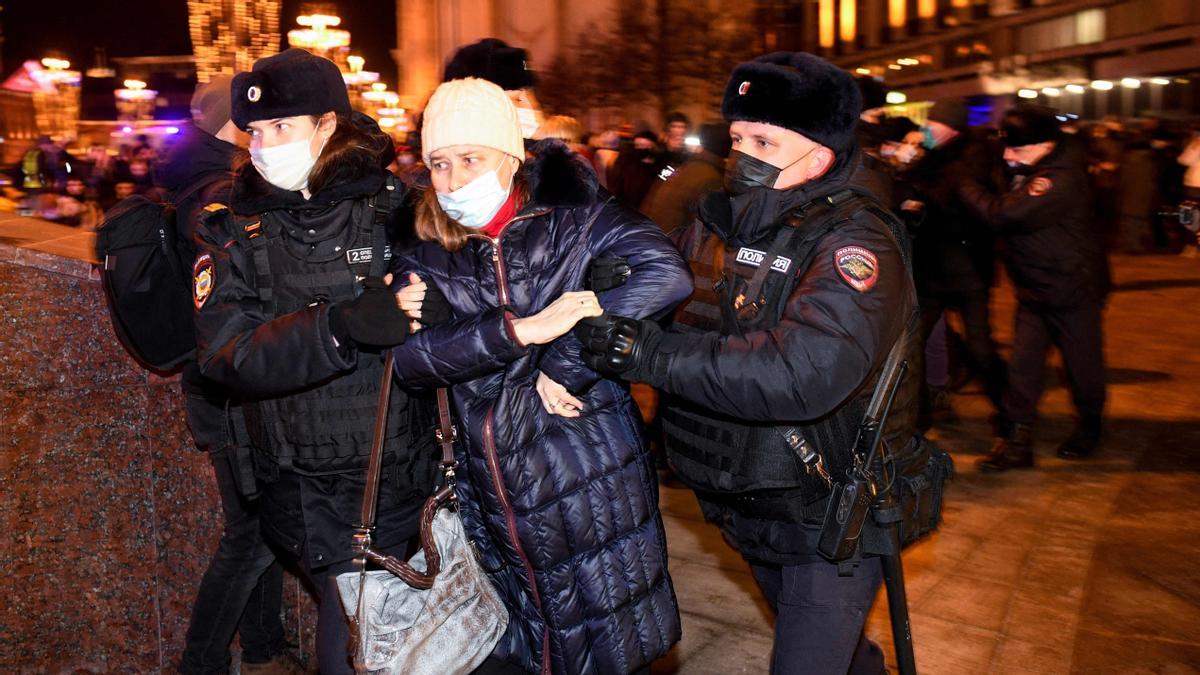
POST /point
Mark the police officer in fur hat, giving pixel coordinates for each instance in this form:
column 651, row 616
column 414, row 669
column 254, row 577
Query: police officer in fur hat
column 1058, row 266
column 293, row 312
column 802, row 290
column 494, row 60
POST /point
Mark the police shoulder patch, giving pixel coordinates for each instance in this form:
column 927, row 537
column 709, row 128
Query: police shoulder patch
column 203, row 279
column 857, row 266
column 1040, row 186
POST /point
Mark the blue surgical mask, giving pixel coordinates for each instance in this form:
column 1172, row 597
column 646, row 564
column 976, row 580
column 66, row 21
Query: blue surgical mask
column 476, row 203
column 929, row 142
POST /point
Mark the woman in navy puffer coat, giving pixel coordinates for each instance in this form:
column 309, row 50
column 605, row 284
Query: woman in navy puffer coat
column 556, row 487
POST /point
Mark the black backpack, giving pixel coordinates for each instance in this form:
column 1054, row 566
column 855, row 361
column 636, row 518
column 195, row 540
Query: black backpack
column 146, row 281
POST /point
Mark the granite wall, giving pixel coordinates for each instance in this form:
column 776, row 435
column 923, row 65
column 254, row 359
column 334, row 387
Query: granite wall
column 109, row 513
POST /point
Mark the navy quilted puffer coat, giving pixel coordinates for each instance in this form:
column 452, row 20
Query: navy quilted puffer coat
column 564, row 512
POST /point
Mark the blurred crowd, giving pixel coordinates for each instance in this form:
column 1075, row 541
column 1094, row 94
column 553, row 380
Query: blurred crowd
column 75, row 185
column 1141, row 169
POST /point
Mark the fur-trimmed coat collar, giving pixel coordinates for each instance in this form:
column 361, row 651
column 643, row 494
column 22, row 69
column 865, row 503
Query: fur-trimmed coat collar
column 556, row 177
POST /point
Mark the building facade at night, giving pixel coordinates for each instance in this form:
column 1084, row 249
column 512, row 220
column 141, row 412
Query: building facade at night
column 1088, row 57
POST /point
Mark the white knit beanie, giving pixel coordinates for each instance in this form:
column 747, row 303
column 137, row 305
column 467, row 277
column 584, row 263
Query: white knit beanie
column 471, row 111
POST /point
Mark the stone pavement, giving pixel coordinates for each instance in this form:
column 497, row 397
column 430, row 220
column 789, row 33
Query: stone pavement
column 1072, row 567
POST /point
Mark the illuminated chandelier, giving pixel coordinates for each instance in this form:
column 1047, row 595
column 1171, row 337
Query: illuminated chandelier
column 318, row 33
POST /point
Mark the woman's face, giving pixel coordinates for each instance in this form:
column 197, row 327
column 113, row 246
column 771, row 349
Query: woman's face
column 454, row 166
column 270, row 133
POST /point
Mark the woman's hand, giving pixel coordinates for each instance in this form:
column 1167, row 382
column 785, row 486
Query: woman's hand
column 424, row 303
column 560, row 317
column 411, row 296
column 556, row 399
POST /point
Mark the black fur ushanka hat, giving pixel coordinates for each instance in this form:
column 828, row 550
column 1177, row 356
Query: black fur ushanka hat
column 290, row 83
column 492, row 60
column 1027, row 124
column 799, row 92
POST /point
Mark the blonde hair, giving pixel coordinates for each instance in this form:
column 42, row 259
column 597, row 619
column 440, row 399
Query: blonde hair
column 562, row 127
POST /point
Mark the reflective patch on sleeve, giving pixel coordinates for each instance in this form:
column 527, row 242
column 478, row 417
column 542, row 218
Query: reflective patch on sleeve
column 1040, row 186
column 204, row 276
column 857, row 266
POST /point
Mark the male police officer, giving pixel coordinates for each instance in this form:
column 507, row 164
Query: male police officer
column 1057, row 264
column 801, row 292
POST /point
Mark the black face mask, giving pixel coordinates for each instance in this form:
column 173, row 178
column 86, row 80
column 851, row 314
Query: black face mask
column 743, row 172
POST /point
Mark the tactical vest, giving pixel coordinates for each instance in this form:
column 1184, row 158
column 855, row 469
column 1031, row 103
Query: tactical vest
column 326, row 428
column 756, row 468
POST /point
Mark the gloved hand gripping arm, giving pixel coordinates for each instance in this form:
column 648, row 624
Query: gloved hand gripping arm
column 373, row 319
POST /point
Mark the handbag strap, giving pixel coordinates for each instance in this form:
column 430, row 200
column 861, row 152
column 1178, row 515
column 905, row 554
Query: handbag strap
column 366, row 521
column 446, row 435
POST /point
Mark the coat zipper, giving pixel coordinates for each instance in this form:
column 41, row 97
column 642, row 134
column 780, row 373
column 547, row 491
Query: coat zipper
column 510, row 517
column 498, row 259
column 493, row 461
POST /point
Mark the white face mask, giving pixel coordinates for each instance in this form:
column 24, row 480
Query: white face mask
column 530, row 120
column 476, row 203
column 286, row 166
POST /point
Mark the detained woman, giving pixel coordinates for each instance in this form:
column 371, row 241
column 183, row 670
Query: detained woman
column 293, row 314
column 556, row 488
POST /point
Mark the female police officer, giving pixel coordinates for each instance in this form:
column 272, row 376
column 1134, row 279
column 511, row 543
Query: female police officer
column 292, row 311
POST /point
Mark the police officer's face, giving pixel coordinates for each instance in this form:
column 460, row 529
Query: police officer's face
column 1028, row 154
column 270, row 133
column 454, row 166
column 800, row 159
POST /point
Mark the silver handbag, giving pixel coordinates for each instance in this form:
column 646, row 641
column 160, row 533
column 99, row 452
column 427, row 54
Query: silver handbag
column 436, row 614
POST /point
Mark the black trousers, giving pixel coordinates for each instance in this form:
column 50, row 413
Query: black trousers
column 982, row 356
column 1077, row 332
column 240, row 591
column 820, row 616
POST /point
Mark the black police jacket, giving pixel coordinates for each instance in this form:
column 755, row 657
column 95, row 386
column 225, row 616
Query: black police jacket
column 952, row 249
column 291, row 359
column 1053, row 245
column 845, row 312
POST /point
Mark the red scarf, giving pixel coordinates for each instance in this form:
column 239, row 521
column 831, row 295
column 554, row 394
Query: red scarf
column 506, row 213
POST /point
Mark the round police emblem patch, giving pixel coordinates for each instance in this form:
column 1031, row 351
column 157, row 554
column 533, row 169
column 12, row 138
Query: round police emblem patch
column 857, row 266
column 743, row 88
column 203, row 278
column 1040, row 186
column 253, row 94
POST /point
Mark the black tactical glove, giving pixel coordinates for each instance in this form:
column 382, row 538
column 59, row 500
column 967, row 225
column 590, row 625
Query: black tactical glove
column 435, row 309
column 373, row 319
column 607, row 273
column 619, row 346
